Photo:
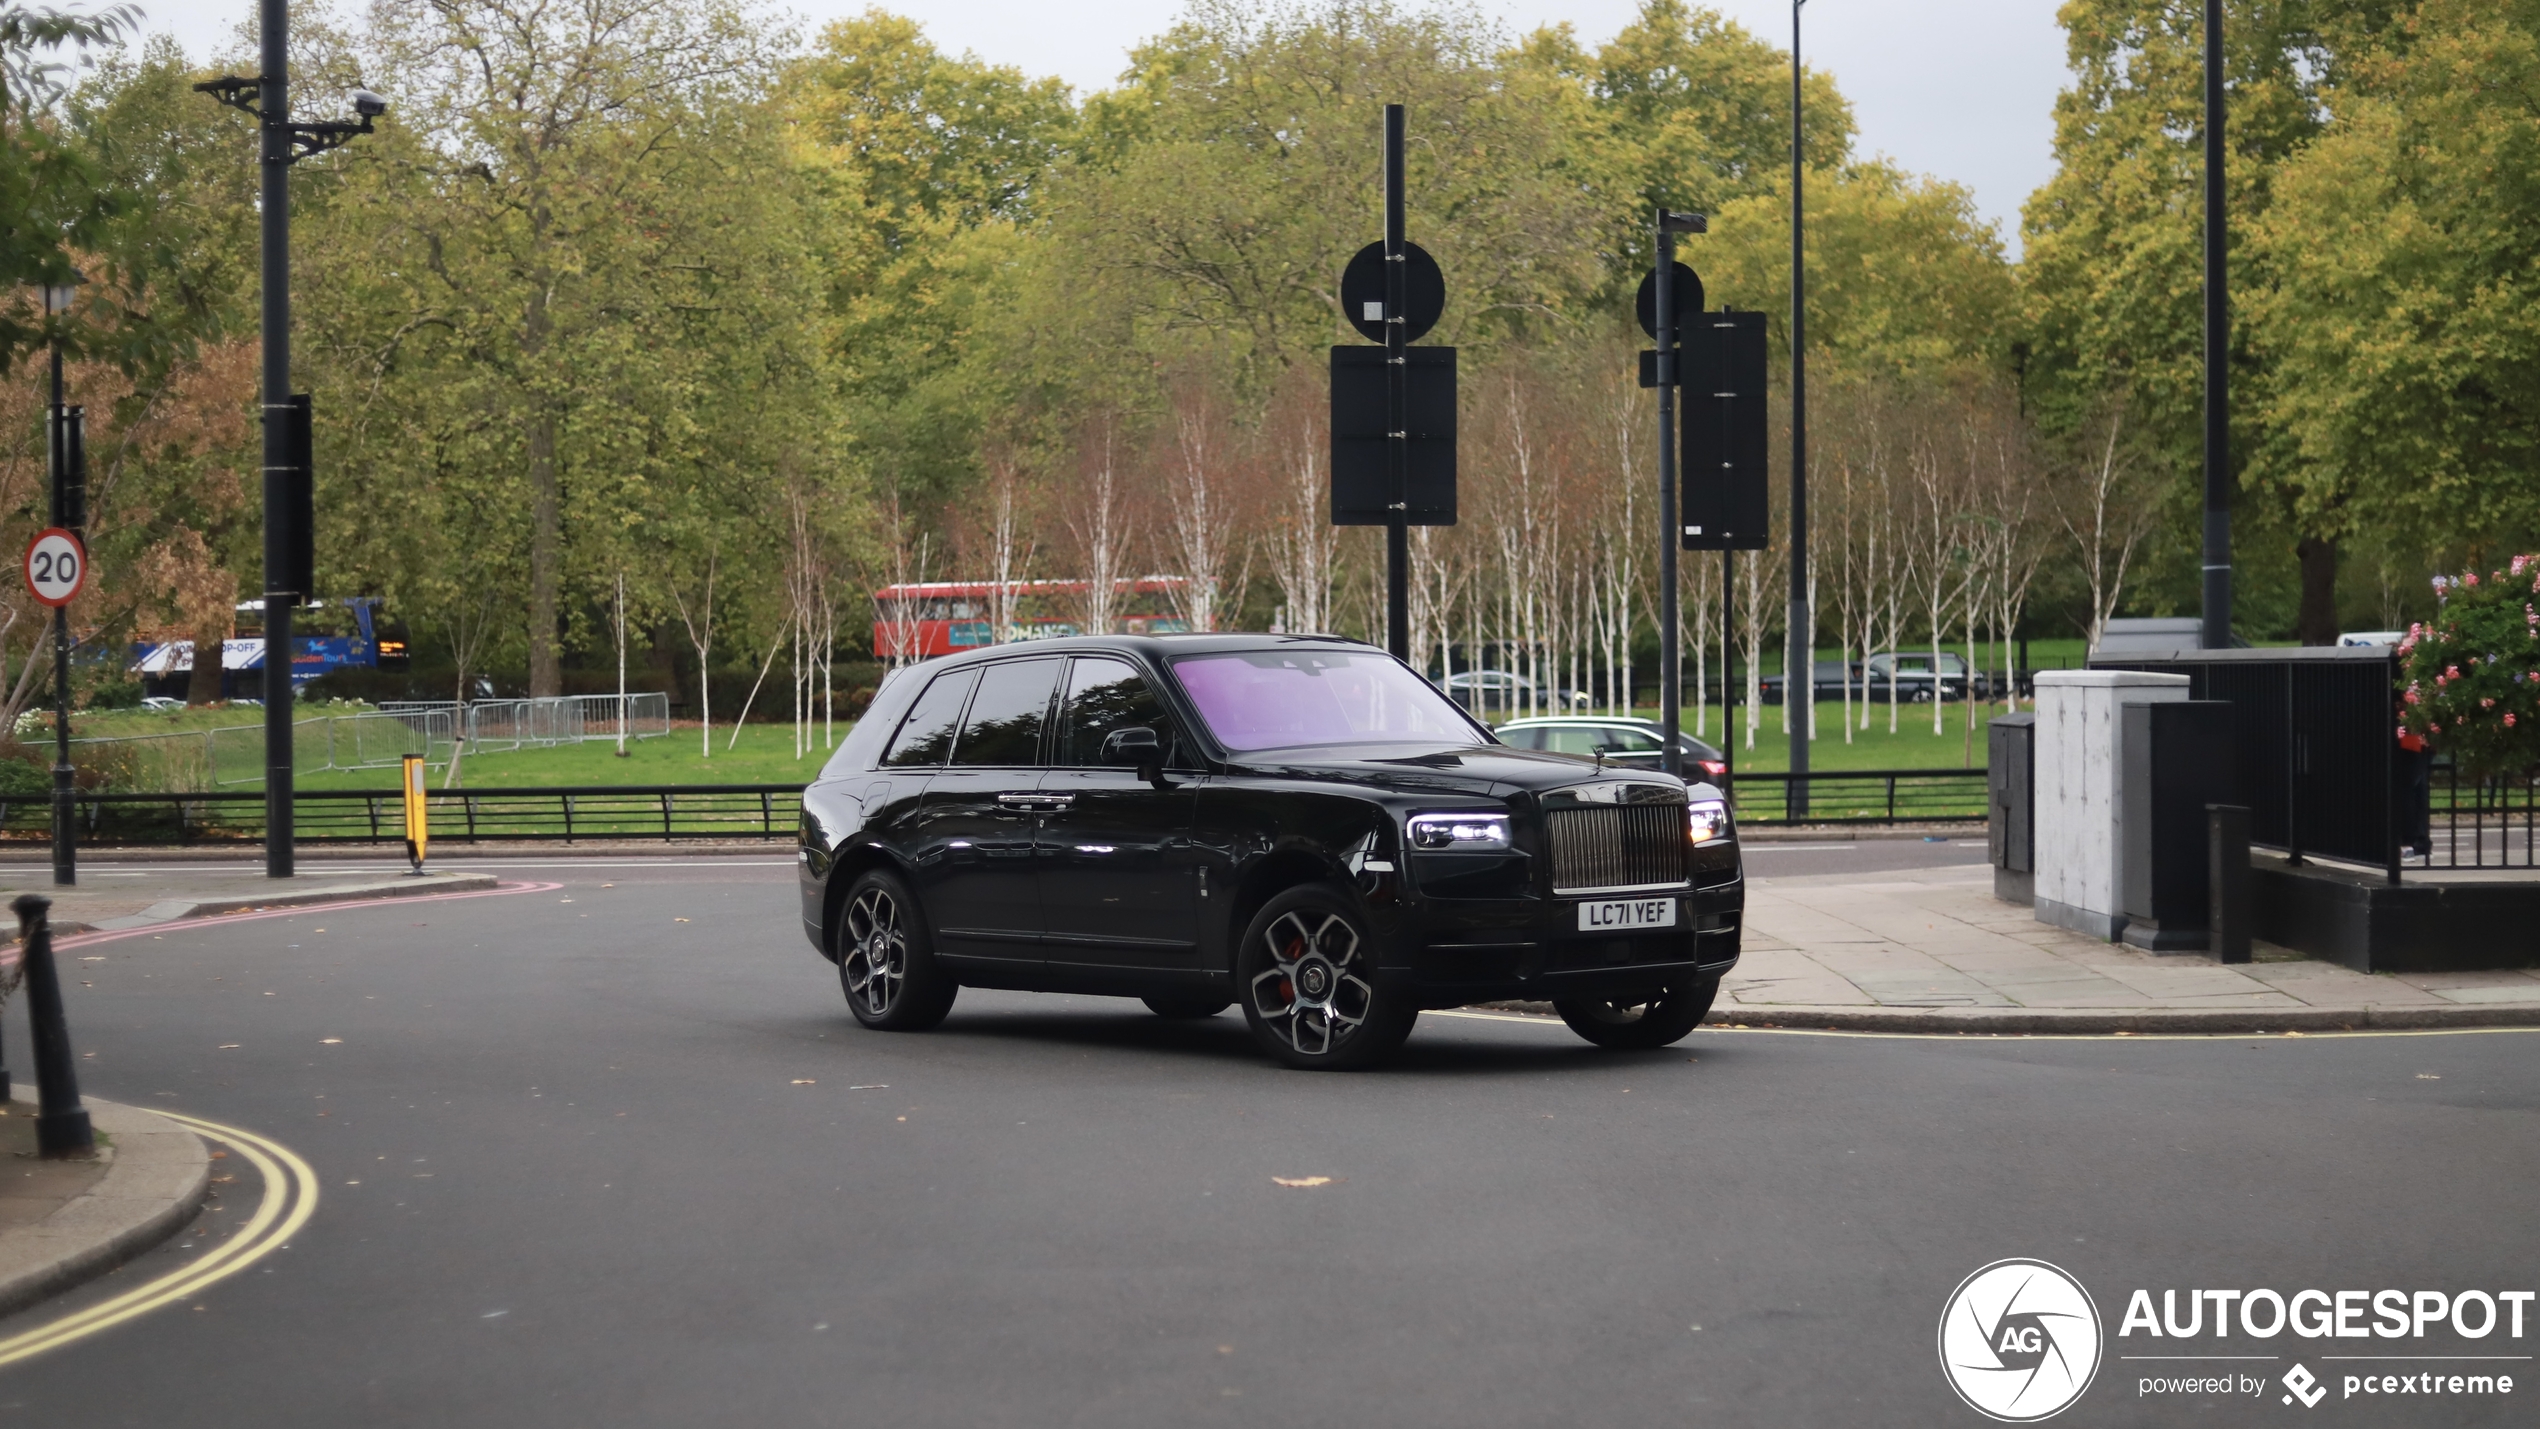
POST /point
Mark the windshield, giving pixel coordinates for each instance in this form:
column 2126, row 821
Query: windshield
column 1277, row 699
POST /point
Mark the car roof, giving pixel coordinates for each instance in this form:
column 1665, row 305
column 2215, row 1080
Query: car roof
column 1634, row 720
column 1154, row 647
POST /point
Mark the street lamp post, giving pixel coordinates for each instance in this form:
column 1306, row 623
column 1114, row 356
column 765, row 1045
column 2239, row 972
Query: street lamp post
column 1799, row 659
column 281, row 144
column 64, row 456
column 2217, row 604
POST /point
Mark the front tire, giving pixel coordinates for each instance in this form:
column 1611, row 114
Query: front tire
column 886, row 959
column 1641, row 1026
column 1306, row 975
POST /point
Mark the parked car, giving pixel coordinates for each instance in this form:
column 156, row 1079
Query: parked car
column 1489, row 692
column 161, row 704
column 1300, row 825
column 1907, row 674
column 1829, row 675
column 1618, row 741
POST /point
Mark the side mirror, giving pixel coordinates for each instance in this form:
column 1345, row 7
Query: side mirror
column 1135, row 747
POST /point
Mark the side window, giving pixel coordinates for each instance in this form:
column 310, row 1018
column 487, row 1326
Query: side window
column 1621, row 739
column 1005, row 721
column 1529, row 738
column 1104, row 695
column 926, row 736
column 1570, row 739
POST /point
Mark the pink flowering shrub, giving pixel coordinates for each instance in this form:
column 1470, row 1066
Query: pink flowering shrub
column 2473, row 671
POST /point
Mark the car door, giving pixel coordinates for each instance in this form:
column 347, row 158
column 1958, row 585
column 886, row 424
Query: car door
column 974, row 846
column 1118, row 876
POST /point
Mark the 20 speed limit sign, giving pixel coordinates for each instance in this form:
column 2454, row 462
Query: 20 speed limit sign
column 56, row 566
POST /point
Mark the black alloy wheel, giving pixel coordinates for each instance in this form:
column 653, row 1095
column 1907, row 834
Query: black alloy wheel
column 1307, row 975
column 1639, row 1026
column 1187, row 1006
column 886, row 961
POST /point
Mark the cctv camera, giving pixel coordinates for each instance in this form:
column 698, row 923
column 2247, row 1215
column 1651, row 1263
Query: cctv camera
column 368, row 105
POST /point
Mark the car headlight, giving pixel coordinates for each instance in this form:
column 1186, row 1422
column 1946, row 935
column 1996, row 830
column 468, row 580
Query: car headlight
column 1478, row 832
column 1707, row 821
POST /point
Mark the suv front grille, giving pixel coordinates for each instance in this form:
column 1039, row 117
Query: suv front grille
column 1616, row 846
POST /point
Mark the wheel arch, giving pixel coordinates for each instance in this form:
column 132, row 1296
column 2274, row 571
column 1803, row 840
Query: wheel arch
column 1274, row 874
column 845, row 867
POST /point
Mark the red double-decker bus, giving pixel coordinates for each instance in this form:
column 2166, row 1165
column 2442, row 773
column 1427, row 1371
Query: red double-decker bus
column 924, row 618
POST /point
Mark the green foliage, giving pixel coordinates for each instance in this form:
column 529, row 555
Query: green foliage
column 2473, row 671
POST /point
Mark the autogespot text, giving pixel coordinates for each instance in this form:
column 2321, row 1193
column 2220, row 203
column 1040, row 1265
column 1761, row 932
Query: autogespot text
column 2450, row 1342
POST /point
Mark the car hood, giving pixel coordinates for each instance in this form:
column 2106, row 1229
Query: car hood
column 1486, row 770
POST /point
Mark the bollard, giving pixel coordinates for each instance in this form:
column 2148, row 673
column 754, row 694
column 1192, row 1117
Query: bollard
column 61, row 1123
column 2227, row 849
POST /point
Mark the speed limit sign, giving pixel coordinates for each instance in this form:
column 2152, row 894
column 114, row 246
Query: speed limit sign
column 56, row 566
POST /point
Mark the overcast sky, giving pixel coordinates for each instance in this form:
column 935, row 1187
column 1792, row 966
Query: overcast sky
column 1962, row 89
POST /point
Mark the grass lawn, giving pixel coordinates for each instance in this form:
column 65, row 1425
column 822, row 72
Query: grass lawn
column 765, row 756
column 1913, row 746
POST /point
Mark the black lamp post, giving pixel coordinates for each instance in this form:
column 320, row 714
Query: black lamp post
column 281, row 144
column 65, row 461
column 1799, row 660
column 2217, row 611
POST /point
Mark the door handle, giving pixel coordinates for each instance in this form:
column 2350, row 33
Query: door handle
column 1036, row 801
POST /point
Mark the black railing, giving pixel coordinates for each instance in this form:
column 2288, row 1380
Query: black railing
column 2475, row 823
column 1865, row 796
column 625, row 811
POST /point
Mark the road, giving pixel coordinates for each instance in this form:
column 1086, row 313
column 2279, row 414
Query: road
column 610, row 1153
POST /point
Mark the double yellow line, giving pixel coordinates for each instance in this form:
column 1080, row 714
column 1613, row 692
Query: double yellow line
column 290, row 1198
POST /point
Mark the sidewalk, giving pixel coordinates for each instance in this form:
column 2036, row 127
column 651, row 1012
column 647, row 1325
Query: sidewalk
column 111, row 901
column 1933, row 950
column 64, row 1222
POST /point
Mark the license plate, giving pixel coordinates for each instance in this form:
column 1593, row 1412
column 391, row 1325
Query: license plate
column 1623, row 915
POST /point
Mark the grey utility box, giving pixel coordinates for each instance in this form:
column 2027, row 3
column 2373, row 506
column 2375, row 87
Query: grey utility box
column 2010, row 777
column 2175, row 758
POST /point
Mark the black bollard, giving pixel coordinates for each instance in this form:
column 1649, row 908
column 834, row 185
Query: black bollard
column 61, row 1123
column 2227, row 846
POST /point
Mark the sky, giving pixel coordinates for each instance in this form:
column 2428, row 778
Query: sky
column 1960, row 89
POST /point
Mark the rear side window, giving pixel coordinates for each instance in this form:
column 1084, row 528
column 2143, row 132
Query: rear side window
column 1104, row 695
column 1005, row 721
column 926, row 736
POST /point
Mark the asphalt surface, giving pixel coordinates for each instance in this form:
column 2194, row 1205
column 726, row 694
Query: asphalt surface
column 585, row 1163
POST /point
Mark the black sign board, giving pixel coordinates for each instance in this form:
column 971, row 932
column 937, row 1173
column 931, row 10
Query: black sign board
column 1362, row 486
column 295, row 515
column 1363, row 292
column 1726, row 507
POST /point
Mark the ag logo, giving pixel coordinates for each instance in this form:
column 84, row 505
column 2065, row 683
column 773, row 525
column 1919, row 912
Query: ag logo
column 2019, row 1340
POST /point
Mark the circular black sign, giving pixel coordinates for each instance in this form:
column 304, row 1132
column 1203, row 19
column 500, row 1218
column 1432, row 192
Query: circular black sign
column 1363, row 292
column 1688, row 296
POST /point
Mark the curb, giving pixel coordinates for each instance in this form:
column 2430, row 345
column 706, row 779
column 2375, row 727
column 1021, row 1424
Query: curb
column 172, row 910
column 2018, row 1021
column 153, row 1185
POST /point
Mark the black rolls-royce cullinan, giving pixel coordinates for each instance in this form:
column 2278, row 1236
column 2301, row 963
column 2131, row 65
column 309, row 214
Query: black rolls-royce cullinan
column 1298, row 825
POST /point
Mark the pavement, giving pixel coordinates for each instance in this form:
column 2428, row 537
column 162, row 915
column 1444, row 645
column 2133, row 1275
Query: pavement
column 1929, row 949
column 63, row 1222
column 583, row 1162
column 114, row 896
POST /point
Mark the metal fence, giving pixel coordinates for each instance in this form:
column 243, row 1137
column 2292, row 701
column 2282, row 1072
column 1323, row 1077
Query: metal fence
column 2473, row 823
column 492, row 725
column 348, row 816
column 1864, row 796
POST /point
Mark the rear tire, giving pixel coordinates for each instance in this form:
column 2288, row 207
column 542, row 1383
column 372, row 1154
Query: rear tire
column 886, row 958
column 1638, row 1027
column 1187, row 1006
column 1306, row 976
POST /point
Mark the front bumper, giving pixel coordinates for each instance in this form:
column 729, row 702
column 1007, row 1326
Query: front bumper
column 1449, row 952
